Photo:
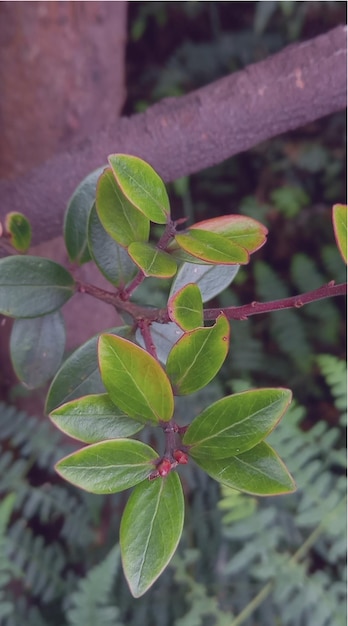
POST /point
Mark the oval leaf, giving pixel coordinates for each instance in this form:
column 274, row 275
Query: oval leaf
column 150, row 531
column 186, row 307
column 79, row 374
column 258, row 471
column 120, row 218
column 197, row 356
column 18, row 228
column 76, row 218
column 142, row 186
column 31, row 286
column 37, row 348
column 211, row 279
column 152, row 261
column 108, row 467
column 112, row 260
column 212, row 248
column 134, row 380
column 236, row 423
column 164, row 336
column 240, row 229
column 94, row 418
column 339, row 217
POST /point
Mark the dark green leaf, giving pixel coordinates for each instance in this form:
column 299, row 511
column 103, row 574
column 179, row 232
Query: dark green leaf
column 112, row 260
column 19, row 229
column 151, row 260
column 212, row 248
column 211, row 279
column 31, row 286
column 108, row 467
column 37, row 348
column 142, row 186
column 339, row 216
column 151, row 528
column 119, row 217
column 236, row 423
column 134, row 380
column 197, row 356
column 258, row 471
column 94, row 418
column 186, row 307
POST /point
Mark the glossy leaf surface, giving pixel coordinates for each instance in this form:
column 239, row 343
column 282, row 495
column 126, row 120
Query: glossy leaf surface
column 94, row 418
column 142, row 186
column 151, row 528
column 239, row 229
column 119, row 217
column 236, row 423
column 152, row 261
column 134, row 380
column 258, row 471
column 164, row 336
column 197, row 356
column 79, row 374
column 212, row 248
column 186, row 307
column 339, row 216
column 37, row 348
column 76, row 218
column 31, row 286
column 211, row 279
column 18, row 228
column 108, row 467
column 112, row 259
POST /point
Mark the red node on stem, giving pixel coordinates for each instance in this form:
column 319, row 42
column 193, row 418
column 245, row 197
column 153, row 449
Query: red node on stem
column 164, row 467
column 181, row 457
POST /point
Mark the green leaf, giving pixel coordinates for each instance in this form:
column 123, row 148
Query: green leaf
column 79, row 374
column 119, row 217
column 108, row 467
column 76, row 218
column 239, row 229
column 339, row 217
column 150, row 531
column 94, row 418
column 37, row 348
column 113, row 261
column 142, row 186
column 186, row 307
column 212, row 248
column 152, row 261
column 197, row 357
column 31, row 286
column 258, row 471
column 18, row 228
column 236, row 423
column 134, row 380
column 211, row 279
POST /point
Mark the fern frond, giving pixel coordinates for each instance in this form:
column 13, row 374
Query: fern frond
column 6, row 566
column 334, row 371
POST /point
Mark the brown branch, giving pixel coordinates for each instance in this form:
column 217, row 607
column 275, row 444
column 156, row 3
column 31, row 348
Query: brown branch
column 179, row 136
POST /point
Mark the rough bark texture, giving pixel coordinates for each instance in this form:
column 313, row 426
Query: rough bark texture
column 179, row 136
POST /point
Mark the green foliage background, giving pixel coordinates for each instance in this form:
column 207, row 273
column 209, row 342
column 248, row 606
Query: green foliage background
column 58, row 560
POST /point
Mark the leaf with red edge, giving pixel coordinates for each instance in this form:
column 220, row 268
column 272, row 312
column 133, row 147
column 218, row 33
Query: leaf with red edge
column 185, row 307
column 339, row 218
column 239, row 229
column 151, row 260
column 211, row 247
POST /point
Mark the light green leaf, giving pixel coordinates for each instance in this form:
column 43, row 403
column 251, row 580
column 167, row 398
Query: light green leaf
column 258, row 471
column 94, row 418
column 79, row 374
column 151, row 528
column 211, row 279
column 197, row 357
column 108, row 467
column 212, row 248
column 18, row 227
column 186, row 307
column 134, row 380
column 236, row 423
column 152, row 261
column 31, row 286
column 142, row 186
column 37, row 348
column 119, row 217
column 112, row 260
column 239, row 229
column 76, row 218
column 339, row 217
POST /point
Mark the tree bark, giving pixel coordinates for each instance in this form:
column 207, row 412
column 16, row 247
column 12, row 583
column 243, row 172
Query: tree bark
column 179, row 136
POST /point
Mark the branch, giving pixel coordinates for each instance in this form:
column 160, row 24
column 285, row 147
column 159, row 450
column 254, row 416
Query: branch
column 179, row 136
